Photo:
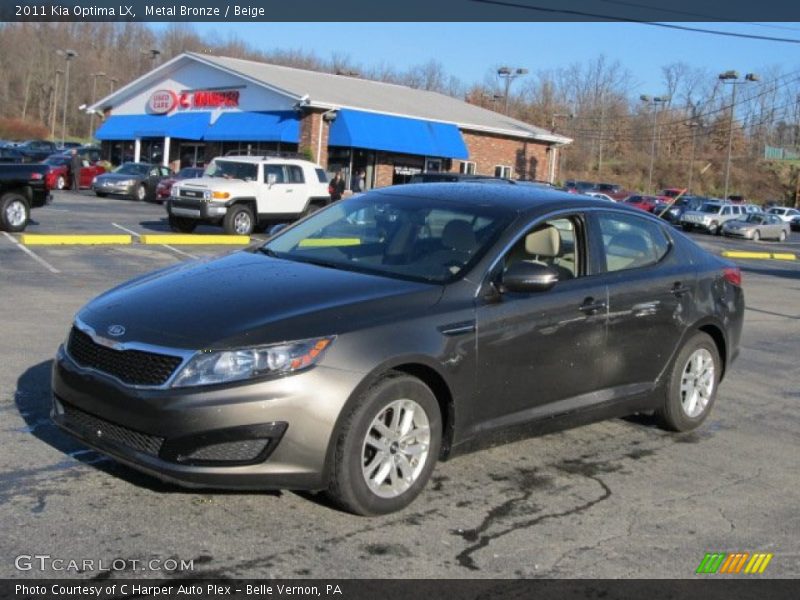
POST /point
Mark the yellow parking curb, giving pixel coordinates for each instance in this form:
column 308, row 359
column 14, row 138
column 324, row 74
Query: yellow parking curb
column 759, row 255
column 194, row 239
column 40, row 239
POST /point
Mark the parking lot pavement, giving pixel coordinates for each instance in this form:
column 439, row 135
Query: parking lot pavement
column 613, row 499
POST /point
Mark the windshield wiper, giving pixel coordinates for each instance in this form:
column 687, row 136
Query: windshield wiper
column 268, row 251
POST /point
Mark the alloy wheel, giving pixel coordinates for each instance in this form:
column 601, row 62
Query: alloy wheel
column 15, row 213
column 242, row 223
column 396, row 448
column 697, row 383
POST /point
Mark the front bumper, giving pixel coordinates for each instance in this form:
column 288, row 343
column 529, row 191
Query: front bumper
column 171, row 433
column 115, row 188
column 189, row 208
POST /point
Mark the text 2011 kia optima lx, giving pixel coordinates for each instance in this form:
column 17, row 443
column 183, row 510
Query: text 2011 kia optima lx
column 395, row 328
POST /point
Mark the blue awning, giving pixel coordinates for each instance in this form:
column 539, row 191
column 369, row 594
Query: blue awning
column 188, row 126
column 279, row 126
column 358, row 129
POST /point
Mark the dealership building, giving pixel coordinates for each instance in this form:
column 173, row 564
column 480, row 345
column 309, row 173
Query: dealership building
column 195, row 107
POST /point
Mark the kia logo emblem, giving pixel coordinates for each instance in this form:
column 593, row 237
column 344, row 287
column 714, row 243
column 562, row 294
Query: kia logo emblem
column 116, row 330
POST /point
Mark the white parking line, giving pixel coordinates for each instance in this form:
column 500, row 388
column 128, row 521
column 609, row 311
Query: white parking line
column 125, row 229
column 176, row 250
column 30, row 253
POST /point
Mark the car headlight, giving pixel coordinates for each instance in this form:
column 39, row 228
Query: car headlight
column 94, row 180
column 208, row 368
column 173, row 191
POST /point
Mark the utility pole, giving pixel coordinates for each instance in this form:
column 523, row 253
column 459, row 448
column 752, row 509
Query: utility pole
column 600, row 141
column 55, row 106
column 732, row 79
column 693, row 125
column 94, row 94
column 654, row 102
column 68, row 56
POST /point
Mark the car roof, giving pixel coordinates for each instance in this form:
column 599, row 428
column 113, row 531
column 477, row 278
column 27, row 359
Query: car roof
column 518, row 198
column 263, row 159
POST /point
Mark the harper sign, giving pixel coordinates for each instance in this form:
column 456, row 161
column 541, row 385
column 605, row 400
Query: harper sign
column 162, row 102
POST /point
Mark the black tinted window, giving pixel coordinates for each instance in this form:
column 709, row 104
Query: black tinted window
column 276, row 170
column 295, row 174
column 322, row 175
column 630, row 242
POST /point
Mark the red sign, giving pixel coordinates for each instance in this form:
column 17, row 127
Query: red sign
column 162, row 101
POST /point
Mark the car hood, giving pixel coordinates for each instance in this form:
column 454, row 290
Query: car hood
column 248, row 298
column 700, row 213
column 234, row 186
column 117, row 177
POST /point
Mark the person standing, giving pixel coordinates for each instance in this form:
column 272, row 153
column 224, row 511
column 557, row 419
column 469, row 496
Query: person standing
column 336, row 187
column 75, row 164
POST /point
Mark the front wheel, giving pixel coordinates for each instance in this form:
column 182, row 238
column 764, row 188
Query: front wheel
column 713, row 229
column 141, row 193
column 756, row 236
column 692, row 386
column 61, row 183
column 101, row 194
column 387, row 448
column 239, row 220
column 782, row 236
column 14, row 212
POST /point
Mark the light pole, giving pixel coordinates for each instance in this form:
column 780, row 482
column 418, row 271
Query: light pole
column 693, row 125
column 55, row 106
column 653, row 101
column 68, row 56
column 94, row 93
column 557, row 162
column 509, row 75
column 113, row 81
column 732, row 79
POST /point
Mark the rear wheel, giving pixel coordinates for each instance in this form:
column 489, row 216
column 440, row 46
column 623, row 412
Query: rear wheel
column 14, row 212
column 713, row 229
column 61, row 183
column 686, row 227
column 387, row 448
column 692, row 387
column 239, row 220
column 182, row 224
column 756, row 236
column 782, row 236
column 311, row 209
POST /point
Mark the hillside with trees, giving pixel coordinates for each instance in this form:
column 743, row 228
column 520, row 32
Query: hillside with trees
column 597, row 103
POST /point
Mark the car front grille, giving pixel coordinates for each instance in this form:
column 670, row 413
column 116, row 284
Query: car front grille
column 99, row 429
column 134, row 367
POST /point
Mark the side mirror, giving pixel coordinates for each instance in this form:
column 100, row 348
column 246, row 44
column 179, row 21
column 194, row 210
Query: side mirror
column 526, row 277
column 277, row 228
column 271, row 179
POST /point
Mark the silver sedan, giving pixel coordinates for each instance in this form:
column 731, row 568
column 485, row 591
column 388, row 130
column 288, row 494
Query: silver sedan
column 756, row 227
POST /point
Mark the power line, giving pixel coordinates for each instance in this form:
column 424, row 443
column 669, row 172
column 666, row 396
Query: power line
column 580, row 13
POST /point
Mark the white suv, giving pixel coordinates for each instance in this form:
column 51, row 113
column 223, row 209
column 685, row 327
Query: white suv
column 784, row 213
column 710, row 216
column 242, row 193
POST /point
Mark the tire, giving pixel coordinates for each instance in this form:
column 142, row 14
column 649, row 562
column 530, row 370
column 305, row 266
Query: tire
column 61, row 183
column 182, row 224
column 782, row 236
column 357, row 465
column 101, row 194
column 141, row 193
column 239, row 220
column 686, row 227
column 14, row 212
column 756, row 236
column 688, row 399
column 310, row 209
column 713, row 229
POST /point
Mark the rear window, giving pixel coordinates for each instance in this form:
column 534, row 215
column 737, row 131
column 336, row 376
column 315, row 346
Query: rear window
column 322, row 176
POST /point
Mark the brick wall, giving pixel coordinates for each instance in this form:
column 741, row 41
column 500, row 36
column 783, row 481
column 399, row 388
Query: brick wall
column 528, row 159
column 309, row 136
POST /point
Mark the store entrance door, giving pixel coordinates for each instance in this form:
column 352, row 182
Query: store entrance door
column 193, row 155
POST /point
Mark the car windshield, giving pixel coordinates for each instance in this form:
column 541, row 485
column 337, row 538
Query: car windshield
column 757, row 219
column 189, row 173
column 56, row 160
column 132, row 169
column 230, row 169
column 406, row 237
column 710, row 208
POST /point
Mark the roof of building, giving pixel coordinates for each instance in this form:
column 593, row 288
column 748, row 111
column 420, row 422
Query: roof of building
column 327, row 90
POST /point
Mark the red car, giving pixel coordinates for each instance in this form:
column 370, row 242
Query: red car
column 58, row 178
column 645, row 203
column 165, row 185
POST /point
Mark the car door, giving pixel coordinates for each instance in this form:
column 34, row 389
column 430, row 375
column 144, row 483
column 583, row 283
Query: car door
column 287, row 194
column 650, row 287
column 538, row 352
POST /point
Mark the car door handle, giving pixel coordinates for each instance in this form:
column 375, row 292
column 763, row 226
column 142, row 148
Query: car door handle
column 591, row 306
column 679, row 289
column 289, row 190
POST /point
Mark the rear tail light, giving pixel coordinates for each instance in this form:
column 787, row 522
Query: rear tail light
column 733, row 275
column 37, row 176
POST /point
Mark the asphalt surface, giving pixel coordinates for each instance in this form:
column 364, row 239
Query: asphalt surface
column 613, row 499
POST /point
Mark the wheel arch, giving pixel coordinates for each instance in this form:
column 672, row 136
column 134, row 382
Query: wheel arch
column 417, row 367
column 716, row 333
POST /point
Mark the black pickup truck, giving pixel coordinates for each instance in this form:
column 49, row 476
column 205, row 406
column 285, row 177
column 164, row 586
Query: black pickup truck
column 22, row 187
